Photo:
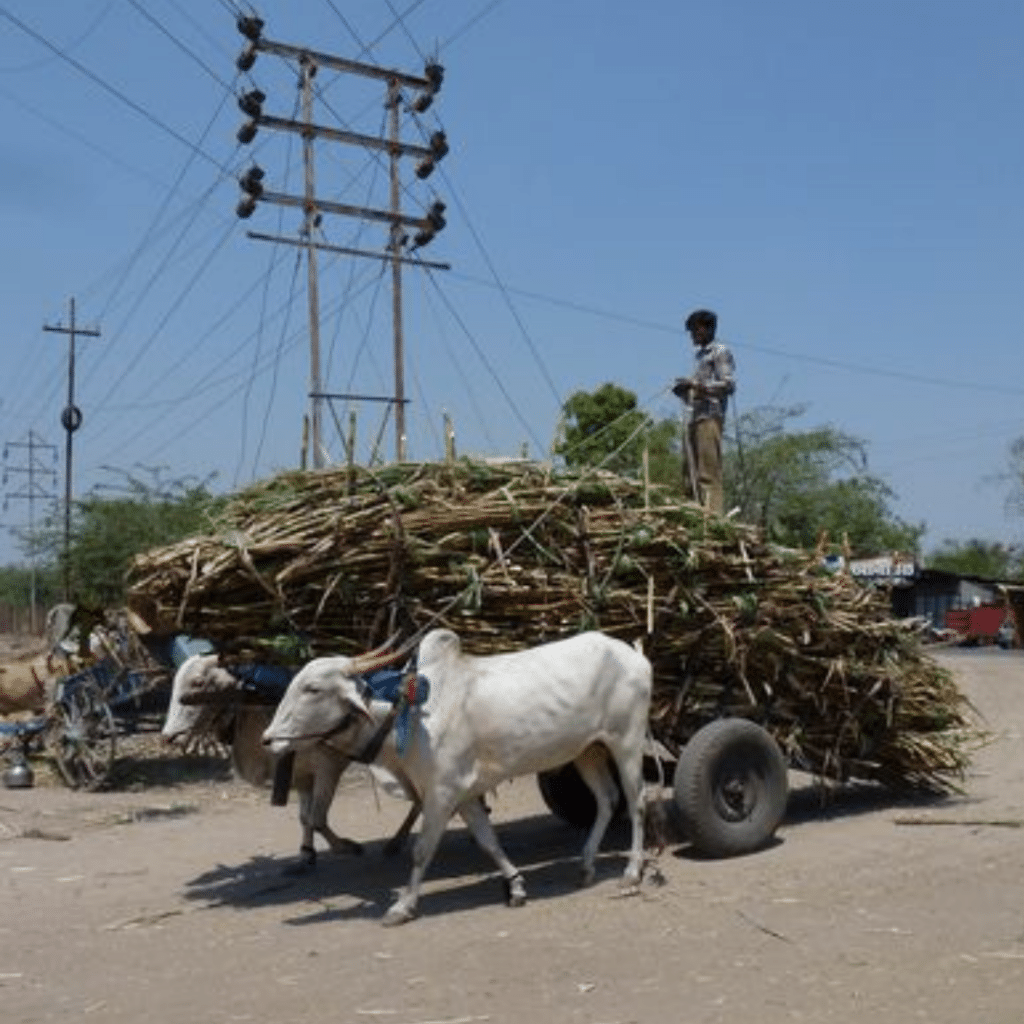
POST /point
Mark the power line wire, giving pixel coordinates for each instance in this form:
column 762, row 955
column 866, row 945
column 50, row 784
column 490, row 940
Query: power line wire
column 160, row 27
column 22, row 69
column 175, row 306
column 277, row 361
column 469, row 24
column 505, row 294
column 400, row 20
column 165, row 204
column 486, row 362
column 107, row 87
column 650, row 325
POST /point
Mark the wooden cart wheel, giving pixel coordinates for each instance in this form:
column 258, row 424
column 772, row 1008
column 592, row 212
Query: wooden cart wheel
column 81, row 737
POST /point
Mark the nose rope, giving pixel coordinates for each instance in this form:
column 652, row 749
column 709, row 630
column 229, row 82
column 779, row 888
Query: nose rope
column 369, row 753
column 334, row 730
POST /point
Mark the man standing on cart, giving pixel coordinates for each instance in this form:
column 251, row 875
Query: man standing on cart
column 707, row 393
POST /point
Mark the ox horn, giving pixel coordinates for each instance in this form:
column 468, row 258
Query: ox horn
column 379, row 657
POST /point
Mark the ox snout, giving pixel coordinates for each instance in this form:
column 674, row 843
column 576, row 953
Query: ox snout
column 172, row 737
column 276, row 744
column 177, row 729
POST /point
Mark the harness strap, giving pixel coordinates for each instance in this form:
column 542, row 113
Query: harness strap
column 282, row 779
column 405, row 690
column 369, row 753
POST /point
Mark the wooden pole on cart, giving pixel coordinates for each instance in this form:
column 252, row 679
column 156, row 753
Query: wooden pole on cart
column 688, row 457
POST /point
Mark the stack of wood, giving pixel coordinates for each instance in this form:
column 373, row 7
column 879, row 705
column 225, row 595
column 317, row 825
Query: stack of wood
column 514, row 555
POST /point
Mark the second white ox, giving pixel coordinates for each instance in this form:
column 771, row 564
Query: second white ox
column 315, row 773
column 486, row 720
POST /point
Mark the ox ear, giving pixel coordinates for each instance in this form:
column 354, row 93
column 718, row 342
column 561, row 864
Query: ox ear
column 353, row 694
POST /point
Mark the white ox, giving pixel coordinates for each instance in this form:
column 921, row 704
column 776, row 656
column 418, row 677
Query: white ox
column 486, row 720
column 315, row 773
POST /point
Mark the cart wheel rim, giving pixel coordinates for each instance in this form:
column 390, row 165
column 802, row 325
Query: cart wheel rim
column 82, row 738
column 735, row 796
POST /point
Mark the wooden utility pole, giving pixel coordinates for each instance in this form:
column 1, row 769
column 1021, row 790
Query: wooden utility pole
column 397, row 252
column 394, row 99
column 71, row 420
column 313, row 286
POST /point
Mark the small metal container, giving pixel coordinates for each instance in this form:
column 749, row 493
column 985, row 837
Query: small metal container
column 19, row 775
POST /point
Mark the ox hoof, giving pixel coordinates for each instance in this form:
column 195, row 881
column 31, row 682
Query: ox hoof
column 396, row 916
column 515, row 891
column 587, row 876
column 627, row 888
column 305, row 865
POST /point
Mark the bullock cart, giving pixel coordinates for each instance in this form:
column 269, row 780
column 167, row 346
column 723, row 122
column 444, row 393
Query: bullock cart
column 763, row 660
column 76, row 716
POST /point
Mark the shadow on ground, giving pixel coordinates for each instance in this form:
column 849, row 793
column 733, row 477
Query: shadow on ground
column 461, row 876
column 814, row 802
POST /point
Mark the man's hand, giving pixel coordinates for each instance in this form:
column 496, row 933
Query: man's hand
column 682, row 388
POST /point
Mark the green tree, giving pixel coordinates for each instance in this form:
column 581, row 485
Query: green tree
column 665, row 453
column 603, row 428
column 987, row 559
column 796, row 485
column 17, row 584
column 107, row 532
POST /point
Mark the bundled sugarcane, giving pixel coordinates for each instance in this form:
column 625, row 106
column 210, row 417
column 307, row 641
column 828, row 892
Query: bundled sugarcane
column 513, row 555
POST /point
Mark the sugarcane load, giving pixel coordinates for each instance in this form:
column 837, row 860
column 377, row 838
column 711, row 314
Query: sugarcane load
column 513, row 555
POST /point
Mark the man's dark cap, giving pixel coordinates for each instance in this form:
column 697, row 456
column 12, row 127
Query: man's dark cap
column 702, row 318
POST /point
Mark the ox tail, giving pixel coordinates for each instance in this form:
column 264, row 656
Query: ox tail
column 655, row 818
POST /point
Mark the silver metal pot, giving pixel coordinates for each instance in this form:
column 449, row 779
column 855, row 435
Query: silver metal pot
column 19, row 775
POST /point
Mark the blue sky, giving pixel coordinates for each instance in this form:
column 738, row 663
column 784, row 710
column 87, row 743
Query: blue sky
column 839, row 179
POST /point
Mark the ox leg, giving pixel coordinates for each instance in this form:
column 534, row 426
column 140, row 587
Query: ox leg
column 631, row 780
column 436, row 812
column 316, row 788
column 397, row 842
column 592, row 765
column 307, row 847
column 474, row 814
column 328, row 766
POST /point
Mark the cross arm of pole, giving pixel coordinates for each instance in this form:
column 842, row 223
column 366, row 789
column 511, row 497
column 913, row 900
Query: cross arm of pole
column 341, row 135
column 328, row 60
column 346, row 250
column 88, row 332
column 360, row 398
column 326, row 206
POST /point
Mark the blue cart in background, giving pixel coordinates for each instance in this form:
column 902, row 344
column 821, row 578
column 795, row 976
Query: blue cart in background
column 83, row 717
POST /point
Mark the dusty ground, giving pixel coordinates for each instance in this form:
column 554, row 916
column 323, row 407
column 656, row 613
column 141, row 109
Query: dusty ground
column 166, row 902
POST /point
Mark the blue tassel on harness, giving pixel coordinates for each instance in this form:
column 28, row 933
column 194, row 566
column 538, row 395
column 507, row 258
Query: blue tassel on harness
column 405, row 689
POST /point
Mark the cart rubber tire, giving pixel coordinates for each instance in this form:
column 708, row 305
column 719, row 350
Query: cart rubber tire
column 569, row 798
column 731, row 787
column 82, row 737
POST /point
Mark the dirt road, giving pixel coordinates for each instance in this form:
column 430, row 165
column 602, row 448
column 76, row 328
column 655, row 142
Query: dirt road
column 168, row 904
